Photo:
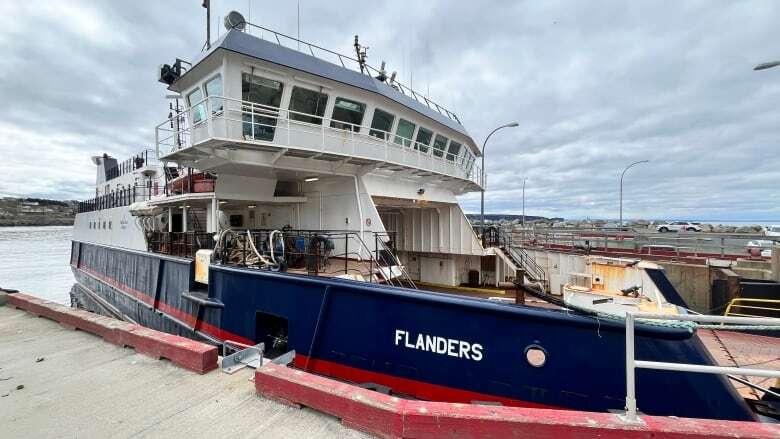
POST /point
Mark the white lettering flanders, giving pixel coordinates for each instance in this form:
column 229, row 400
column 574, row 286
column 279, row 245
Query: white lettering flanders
column 439, row 345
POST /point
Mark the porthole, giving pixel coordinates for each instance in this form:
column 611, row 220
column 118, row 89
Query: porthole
column 535, row 355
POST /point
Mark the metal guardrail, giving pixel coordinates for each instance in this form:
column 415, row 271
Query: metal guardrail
column 747, row 305
column 138, row 161
column 122, row 196
column 234, row 119
column 639, row 242
column 632, row 363
column 355, row 65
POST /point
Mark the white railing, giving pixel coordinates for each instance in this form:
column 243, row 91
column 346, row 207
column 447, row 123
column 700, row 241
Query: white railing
column 632, row 363
column 233, row 119
column 353, row 64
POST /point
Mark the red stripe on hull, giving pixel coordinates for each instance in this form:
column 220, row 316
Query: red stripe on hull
column 418, row 389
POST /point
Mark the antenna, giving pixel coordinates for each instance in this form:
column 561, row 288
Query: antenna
column 382, row 73
column 207, row 4
column 299, row 25
column 361, row 54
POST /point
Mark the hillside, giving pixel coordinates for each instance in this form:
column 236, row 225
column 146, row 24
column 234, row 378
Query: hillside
column 36, row 212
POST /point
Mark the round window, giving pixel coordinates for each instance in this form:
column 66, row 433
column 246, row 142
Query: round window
column 535, row 355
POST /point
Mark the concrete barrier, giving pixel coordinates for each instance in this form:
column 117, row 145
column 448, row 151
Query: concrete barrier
column 392, row 417
column 183, row 352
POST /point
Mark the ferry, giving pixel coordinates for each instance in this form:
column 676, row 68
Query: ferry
column 300, row 198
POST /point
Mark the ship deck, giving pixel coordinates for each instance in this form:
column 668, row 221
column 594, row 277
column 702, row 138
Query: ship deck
column 736, row 349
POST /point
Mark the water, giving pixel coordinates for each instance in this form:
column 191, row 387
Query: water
column 36, row 260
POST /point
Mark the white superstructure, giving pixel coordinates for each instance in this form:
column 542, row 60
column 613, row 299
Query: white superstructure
column 271, row 137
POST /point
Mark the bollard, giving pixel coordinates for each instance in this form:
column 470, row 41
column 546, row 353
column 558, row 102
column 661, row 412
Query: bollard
column 520, row 287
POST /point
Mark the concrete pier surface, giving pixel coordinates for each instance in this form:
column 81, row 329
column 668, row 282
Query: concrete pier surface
column 57, row 382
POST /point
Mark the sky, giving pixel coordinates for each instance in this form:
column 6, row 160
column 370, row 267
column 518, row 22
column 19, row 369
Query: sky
column 594, row 86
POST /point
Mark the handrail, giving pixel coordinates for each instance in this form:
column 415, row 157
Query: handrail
column 240, row 253
column 735, row 303
column 504, row 240
column 122, row 196
column 176, row 133
column 632, row 363
column 641, row 242
column 405, row 90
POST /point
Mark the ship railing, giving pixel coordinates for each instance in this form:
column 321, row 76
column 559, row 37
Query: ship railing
column 734, row 323
column 121, row 196
column 319, row 252
column 147, row 157
column 353, row 64
column 181, row 244
column 217, row 117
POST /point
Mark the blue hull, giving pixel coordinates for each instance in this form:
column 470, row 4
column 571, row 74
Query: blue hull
column 427, row 345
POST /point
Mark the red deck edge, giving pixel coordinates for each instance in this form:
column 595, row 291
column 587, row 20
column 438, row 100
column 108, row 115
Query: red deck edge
column 392, row 417
column 183, row 352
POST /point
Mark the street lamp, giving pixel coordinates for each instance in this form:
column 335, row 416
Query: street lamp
column 621, row 186
column 767, row 65
column 482, row 199
column 523, row 223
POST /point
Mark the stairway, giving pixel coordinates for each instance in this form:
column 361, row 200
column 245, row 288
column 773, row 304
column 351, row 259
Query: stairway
column 534, row 273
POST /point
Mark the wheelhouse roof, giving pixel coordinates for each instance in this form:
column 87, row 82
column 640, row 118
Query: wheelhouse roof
column 249, row 45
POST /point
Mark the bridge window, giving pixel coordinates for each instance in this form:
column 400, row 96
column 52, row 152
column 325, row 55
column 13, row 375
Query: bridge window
column 454, row 151
column 347, row 115
column 404, row 133
column 214, row 90
column 423, row 140
column 382, row 124
column 439, row 145
column 309, row 102
column 260, row 120
column 197, row 107
column 468, row 161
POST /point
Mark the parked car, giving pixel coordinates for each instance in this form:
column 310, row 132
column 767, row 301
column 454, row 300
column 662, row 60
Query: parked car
column 772, row 231
column 678, row 226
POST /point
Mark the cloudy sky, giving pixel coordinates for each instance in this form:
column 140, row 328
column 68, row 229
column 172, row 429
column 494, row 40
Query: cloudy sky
column 594, row 85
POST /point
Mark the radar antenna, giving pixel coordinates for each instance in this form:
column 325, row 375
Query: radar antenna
column 234, row 20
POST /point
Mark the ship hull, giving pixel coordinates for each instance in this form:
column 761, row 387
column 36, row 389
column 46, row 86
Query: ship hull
column 426, row 345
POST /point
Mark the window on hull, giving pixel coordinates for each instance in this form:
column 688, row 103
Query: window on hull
column 347, row 115
column 381, row 124
column 404, row 133
column 423, row 140
column 310, row 102
column 259, row 120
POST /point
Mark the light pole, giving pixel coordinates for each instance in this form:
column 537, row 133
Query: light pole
column 621, row 186
column 767, row 65
column 523, row 223
column 482, row 198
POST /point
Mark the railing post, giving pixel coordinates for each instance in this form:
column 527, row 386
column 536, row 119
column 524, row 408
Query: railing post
column 631, row 408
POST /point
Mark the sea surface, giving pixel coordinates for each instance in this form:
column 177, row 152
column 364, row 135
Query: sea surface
column 36, row 260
